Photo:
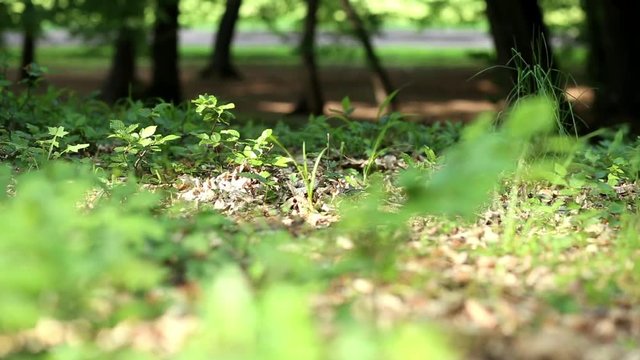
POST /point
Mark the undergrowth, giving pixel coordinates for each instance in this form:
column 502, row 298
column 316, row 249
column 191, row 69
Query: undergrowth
column 357, row 240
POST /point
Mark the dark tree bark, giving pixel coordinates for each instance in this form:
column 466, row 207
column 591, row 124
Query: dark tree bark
column 4, row 22
column 220, row 64
column 28, row 54
column 122, row 75
column 519, row 25
column 522, row 42
column 382, row 84
column 165, row 81
column 613, row 41
column 30, row 25
column 523, row 45
column 312, row 100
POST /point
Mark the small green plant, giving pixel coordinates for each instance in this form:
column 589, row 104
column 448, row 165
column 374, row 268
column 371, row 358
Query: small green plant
column 228, row 143
column 211, row 111
column 207, row 106
column 66, row 257
column 53, row 143
column 255, row 151
column 535, row 80
column 309, row 178
column 41, row 147
column 500, row 210
column 387, row 121
column 542, row 79
column 137, row 144
column 277, row 323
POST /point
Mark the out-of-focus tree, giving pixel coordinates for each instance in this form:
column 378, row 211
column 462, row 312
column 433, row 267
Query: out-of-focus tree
column 220, row 63
column 5, row 21
column 25, row 16
column 438, row 13
column 122, row 79
column 613, row 49
column 382, row 84
column 311, row 100
column 119, row 22
column 165, row 72
column 125, row 35
column 564, row 16
column 523, row 46
column 30, row 29
column 518, row 27
column 272, row 14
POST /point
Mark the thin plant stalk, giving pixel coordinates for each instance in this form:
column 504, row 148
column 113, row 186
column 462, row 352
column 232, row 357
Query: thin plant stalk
column 309, row 179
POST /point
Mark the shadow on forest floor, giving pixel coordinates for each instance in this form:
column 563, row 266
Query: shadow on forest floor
column 267, row 93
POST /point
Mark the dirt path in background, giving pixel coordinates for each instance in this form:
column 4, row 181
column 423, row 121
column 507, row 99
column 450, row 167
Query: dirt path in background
column 269, row 92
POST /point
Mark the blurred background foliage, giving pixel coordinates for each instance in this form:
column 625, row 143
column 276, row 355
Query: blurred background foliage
column 262, row 14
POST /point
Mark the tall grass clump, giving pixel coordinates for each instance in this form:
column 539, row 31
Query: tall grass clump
column 541, row 78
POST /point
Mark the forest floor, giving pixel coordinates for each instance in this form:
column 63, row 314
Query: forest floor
column 269, row 92
column 535, row 258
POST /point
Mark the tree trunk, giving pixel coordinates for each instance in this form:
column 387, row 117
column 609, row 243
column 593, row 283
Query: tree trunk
column 519, row 26
column 165, row 81
column 523, row 46
column 4, row 22
column 30, row 25
column 122, row 75
column 220, row 64
column 311, row 100
column 28, row 54
column 613, row 42
column 522, row 42
column 381, row 80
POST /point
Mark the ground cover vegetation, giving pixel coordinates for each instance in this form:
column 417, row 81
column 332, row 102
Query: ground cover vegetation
column 137, row 222
column 165, row 231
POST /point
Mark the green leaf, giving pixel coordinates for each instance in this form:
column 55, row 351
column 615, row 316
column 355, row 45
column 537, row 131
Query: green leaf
column 170, row 137
column 148, row 131
column 117, row 125
column 530, row 117
column 430, row 154
column 282, row 161
column 131, row 128
column 229, row 312
column 560, row 169
column 346, row 105
column 286, row 319
column 259, row 177
column 215, row 137
column 249, row 153
column 144, row 112
column 264, row 136
column 233, row 134
column 145, row 142
column 412, row 342
column 57, row 131
column 385, row 104
column 76, row 148
column 228, row 106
